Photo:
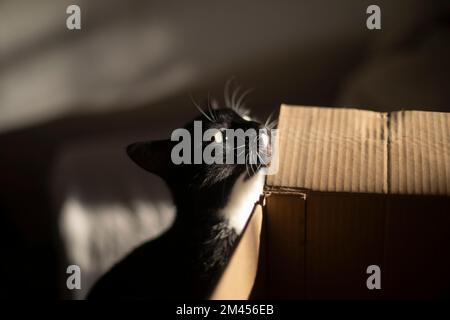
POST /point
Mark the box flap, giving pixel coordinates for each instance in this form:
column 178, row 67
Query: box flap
column 419, row 153
column 350, row 150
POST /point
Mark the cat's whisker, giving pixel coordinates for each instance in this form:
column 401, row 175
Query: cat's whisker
column 272, row 124
column 259, row 153
column 256, row 141
column 210, row 109
column 246, row 165
column 253, row 168
column 251, row 160
column 199, row 108
column 269, row 118
column 260, row 159
column 241, row 153
column 233, row 98
column 239, row 147
column 264, row 154
column 242, row 97
column 227, row 92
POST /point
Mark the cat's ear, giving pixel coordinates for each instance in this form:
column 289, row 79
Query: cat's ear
column 153, row 156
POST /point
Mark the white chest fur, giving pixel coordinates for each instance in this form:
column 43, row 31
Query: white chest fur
column 244, row 194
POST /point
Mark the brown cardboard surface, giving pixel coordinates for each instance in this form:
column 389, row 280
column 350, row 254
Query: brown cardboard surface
column 419, row 153
column 417, row 247
column 331, row 149
column 355, row 188
column 344, row 236
column 350, row 150
column 355, row 166
column 285, row 240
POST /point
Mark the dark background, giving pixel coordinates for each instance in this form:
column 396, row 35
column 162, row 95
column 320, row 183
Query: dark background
column 129, row 72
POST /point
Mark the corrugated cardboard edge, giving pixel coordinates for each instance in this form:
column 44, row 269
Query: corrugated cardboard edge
column 239, row 276
column 328, row 149
column 363, row 151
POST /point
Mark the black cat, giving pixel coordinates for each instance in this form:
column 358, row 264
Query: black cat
column 213, row 203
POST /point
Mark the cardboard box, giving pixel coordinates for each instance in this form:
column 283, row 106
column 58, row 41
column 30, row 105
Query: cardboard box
column 354, row 188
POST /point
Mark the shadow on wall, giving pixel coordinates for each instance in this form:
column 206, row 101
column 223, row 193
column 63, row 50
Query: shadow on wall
column 406, row 70
column 128, row 54
column 107, row 207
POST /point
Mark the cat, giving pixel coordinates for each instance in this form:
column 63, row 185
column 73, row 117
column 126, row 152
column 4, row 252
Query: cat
column 213, row 203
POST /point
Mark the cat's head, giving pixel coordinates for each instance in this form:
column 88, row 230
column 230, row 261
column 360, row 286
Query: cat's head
column 215, row 146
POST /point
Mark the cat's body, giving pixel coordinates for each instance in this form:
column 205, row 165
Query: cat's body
column 213, row 204
column 173, row 265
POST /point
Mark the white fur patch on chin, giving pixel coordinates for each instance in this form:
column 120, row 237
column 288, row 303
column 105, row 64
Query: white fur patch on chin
column 244, row 194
